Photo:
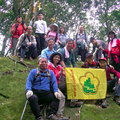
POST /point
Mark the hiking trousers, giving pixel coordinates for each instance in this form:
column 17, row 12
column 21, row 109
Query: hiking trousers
column 14, row 44
column 43, row 97
column 111, row 84
column 61, row 104
column 28, row 52
column 41, row 43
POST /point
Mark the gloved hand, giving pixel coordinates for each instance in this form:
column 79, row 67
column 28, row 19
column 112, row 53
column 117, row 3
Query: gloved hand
column 29, row 94
column 57, row 95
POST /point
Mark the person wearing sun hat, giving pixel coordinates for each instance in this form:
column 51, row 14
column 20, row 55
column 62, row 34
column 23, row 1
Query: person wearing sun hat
column 111, row 83
column 53, row 32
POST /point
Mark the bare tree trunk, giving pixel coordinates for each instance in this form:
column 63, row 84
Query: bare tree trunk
column 4, row 45
column 106, row 18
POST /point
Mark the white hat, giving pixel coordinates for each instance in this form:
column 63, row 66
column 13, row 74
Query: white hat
column 55, row 24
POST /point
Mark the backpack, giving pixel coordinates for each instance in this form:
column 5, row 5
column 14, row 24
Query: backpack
column 85, row 37
column 81, row 45
column 48, row 75
column 16, row 28
column 23, row 43
column 39, row 74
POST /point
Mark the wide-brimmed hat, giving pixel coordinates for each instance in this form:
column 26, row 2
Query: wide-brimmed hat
column 54, row 24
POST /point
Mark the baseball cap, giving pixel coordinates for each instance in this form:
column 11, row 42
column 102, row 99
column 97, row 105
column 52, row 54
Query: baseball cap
column 103, row 59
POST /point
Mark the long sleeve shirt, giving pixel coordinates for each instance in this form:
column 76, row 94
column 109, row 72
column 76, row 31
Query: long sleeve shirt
column 17, row 30
column 46, row 53
column 100, row 44
column 56, row 70
column 114, row 47
column 53, row 35
column 63, row 38
column 109, row 71
column 23, row 38
column 88, row 65
column 41, row 82
column 40, row 26
column 68, row 61
column 81, row 38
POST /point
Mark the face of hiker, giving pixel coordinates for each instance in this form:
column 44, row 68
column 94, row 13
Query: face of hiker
column 29, row 30
column 43, row 63
column 56, row 59
column 94, row 42
column 62, row 30
column 81, row 29
column 50, row 44
column 102, row 64
column 19, row 19
column 40, row 17
column 89, row 60
column 69, row 45
column 111, row 36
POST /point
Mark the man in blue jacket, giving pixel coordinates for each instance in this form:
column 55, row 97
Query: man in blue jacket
column 41, row 88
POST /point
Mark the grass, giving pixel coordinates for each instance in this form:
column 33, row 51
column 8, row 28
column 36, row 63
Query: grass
column 12, row 84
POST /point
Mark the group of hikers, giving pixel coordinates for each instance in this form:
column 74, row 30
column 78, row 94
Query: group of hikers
column 55, row 51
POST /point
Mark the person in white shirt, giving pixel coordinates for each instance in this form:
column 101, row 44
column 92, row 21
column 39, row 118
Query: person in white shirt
column 40, row 32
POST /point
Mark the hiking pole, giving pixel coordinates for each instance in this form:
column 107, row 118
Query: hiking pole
column 24, row 110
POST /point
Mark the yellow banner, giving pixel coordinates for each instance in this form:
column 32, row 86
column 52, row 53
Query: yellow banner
column 86, row 83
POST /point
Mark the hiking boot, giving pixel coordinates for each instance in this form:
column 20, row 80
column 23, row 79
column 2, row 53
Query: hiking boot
column 104, row 103
column 53, row 117
column 117, row 99
column 40, row 118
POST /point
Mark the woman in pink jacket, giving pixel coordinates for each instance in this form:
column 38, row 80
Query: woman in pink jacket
column 55, row 66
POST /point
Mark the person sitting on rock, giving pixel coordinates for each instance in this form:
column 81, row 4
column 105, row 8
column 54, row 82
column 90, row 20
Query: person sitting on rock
column 111, row 83
column 42, row 88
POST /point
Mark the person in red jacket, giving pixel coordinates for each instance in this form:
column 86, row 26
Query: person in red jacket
column 17, row 29
column 111, row 83
column 114, row 50
column 55, row 66
column 90, row 63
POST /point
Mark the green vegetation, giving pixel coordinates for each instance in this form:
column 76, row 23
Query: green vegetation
column 98, row 16
column 12, row 84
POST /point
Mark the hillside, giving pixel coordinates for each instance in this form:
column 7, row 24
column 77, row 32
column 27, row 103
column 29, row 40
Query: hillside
column 12, row 96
